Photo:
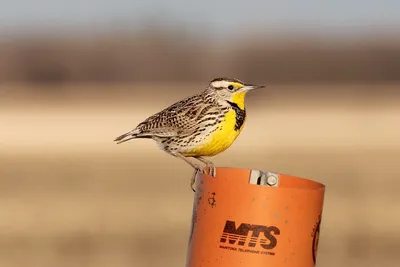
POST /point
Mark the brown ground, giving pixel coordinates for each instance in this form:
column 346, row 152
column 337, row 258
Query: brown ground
column 70, row 197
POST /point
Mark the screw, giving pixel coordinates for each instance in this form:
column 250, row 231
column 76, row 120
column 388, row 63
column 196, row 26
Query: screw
column 272, row 180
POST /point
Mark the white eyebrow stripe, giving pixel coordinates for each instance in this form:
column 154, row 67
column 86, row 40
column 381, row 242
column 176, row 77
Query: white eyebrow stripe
column 218, row 84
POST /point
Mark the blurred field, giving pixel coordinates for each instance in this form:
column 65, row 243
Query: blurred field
column 70, row 197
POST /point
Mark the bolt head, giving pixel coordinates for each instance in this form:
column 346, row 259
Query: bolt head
column 272, row 180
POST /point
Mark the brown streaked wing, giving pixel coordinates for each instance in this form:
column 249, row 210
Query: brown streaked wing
column 173, row 120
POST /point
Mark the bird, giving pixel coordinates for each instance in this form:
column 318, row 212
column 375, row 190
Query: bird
column 198, row 126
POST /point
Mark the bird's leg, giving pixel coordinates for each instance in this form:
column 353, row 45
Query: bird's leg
column 193, row 180
column 195, row 166
column 210, row 165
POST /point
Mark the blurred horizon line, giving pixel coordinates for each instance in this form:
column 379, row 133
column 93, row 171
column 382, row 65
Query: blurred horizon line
column 161, row 53
column 121, row 27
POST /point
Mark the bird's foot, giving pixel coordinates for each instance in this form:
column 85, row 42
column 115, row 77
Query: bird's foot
column 212, row 171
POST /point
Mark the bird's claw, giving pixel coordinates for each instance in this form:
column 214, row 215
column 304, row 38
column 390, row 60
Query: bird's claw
column 212, row 171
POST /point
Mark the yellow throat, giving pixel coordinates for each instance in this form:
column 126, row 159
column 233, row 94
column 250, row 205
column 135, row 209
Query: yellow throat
column 238, row 99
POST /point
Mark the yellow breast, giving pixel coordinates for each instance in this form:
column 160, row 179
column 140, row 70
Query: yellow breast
column 219, row 140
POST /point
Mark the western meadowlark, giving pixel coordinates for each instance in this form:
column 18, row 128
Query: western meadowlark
column 199, row 126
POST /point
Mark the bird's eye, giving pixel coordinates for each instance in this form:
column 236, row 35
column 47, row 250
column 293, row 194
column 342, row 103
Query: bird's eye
column 230, row 87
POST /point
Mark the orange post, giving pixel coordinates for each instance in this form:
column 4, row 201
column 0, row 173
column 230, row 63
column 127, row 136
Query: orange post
column 254, row 218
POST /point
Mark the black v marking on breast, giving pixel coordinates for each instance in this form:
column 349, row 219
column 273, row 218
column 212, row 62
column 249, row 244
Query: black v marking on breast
column 240, row 115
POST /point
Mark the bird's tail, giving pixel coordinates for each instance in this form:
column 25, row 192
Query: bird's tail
column 126, row 137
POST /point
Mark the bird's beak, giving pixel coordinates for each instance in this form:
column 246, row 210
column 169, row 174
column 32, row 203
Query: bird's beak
column 248, row 87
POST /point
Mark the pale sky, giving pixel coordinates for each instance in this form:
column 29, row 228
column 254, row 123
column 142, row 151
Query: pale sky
column 222, row 15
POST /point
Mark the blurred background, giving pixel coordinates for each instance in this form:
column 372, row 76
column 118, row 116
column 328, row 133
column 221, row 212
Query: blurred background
column 76, row 74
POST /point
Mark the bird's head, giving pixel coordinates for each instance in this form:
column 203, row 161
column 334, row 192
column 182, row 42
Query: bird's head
column 232, row 90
